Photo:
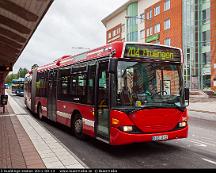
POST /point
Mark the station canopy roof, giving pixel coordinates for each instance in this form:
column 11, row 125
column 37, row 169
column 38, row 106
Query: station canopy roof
column 18, row 21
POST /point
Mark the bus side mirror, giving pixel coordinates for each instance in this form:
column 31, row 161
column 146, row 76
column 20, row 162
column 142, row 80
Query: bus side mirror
column 112, row 66
column 187, row 95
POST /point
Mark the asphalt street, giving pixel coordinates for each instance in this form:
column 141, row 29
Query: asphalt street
column 197, row 151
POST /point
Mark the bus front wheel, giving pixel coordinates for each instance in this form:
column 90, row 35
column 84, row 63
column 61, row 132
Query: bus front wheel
column 78, row 126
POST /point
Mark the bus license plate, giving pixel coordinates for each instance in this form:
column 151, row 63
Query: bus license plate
column 160, row 138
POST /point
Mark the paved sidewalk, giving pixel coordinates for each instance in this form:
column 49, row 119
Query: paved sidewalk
column 31, row 146
column 16, row 148
column 205, row 107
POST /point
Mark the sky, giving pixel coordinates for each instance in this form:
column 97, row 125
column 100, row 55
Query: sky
column 67, row 24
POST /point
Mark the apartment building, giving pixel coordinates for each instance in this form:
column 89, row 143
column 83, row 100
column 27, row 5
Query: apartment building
column 188, row 24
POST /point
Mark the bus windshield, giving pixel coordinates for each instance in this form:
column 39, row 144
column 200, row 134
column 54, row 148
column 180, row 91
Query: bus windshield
column 141, row 84
column 18, row 86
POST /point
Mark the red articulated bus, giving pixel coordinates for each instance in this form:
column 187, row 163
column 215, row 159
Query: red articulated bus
column 120, row 93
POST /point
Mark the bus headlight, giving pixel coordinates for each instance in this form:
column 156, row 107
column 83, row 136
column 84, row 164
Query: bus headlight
column 182, row 124
column 127, row 128
column 130, row 129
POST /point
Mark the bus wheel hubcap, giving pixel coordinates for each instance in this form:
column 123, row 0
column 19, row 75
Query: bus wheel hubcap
column 78, row 125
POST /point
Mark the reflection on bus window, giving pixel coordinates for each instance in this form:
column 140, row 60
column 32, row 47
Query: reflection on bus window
column 103, row 85
column 140, row 83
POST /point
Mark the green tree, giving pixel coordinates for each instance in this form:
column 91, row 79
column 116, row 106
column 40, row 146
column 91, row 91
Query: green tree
column 10, row 77
column 22, row 72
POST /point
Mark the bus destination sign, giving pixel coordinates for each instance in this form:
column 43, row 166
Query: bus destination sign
column 152, row 52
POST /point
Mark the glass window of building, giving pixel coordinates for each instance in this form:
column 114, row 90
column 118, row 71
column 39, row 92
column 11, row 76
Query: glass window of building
column 157, row 11
column 147, row 32
column 150, row 14
column 157, row 28
column 132, row 22
column 150, row 31
column 167, row 41
column 109, row 35
column 206, row 16
column 167, row 5
column 206, row 58
column 147, row 15
column 205, row 1
column 167, row 24
column 206, row 38
column 136, row 19
column 114, row 33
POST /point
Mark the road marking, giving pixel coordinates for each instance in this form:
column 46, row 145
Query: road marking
column 210, row 161
column 212, row 141
column 198, row 143
column 204, row 143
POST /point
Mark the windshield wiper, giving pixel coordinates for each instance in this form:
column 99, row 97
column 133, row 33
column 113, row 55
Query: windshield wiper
column 179, row 107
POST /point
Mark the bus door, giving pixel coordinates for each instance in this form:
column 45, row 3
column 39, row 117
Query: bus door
column 51, row 95
column 102, row 115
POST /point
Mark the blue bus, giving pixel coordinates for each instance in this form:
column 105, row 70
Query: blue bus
column 6, row 86
column 18, row 86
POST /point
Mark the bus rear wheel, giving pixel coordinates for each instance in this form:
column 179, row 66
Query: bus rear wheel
column 39, row 112
column 77, row 126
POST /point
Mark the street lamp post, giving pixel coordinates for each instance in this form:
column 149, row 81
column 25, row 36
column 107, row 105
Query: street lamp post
column 80, row 48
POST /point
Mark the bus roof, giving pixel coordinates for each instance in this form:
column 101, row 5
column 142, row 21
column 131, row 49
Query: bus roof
column 18, row 80
column 115, row 48
column 97, row 53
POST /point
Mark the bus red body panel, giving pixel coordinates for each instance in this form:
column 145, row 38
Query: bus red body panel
column 65, row 112
column 118, row 46
column 156, row 120
column 120, row 138
column 150, row 122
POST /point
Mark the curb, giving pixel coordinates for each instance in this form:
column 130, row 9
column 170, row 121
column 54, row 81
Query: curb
column 194, row 110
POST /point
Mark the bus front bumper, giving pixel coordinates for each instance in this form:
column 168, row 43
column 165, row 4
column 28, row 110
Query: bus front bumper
column 118, row 137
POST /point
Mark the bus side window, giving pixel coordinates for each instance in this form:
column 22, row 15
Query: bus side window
column 64, row 84
column 103, row 85
column 78, row 87
column 38, row 84
column 45, row 91
column 78, row 84
column 41, row 84
column 91, row 84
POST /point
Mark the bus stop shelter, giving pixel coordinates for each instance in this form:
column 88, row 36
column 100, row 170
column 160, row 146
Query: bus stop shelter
column 18, row 21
